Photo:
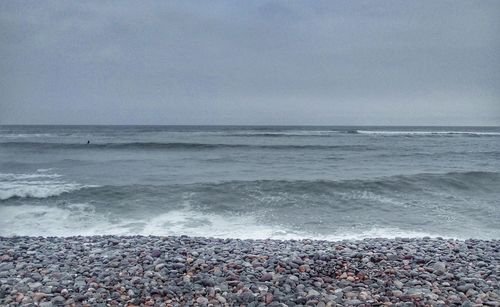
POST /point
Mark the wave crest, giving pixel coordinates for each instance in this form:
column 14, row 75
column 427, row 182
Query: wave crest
column 35, row 185
column 371, row 188
column 427, row 133
column 176, row 146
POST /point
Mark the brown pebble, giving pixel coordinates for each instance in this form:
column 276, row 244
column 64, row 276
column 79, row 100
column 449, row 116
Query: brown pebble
column 19, row 297
column 38, row 296
column 269, row 298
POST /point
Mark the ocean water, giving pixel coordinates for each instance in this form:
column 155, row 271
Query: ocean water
column 250, row 182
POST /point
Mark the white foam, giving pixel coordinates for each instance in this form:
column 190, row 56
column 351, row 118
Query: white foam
column 288, row 133
column 370, row 196
column 37, row 185
column 27, row 135
column 390, row 132
column 380, row 232
column 181, row 222
column 186, row 222
column 69, row 220
column 36, row 189
column 13, row 177
column 44, row 170
column 82, row 219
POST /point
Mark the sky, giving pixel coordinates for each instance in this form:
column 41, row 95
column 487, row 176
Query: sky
column 250, row 62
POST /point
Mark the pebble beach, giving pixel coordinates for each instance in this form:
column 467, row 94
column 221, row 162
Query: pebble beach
column 195, row 271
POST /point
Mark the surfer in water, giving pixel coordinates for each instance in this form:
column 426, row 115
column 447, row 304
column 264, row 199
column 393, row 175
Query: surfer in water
column 88, row 142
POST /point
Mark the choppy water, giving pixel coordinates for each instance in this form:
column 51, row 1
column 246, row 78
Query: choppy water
column 250, row 182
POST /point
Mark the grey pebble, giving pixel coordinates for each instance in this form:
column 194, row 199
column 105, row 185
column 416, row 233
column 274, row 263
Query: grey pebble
column 180, row 271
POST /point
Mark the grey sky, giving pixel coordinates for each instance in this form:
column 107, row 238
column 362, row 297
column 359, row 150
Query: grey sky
column 250, row 62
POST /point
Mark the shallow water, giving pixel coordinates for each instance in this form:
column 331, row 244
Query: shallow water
column 250, row 182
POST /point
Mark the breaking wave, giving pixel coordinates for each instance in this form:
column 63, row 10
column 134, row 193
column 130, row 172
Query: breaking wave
column 83, row 219
column 35, row 185
column 426, row 133
column 366, row 188
column 395, row 206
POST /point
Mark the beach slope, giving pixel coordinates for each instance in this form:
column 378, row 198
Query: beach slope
column 178, row 271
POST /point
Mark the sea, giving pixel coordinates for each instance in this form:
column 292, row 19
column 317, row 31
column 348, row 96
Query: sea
column 251, row 182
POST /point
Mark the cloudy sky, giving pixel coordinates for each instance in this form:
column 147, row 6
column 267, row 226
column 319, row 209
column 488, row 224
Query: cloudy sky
column 250, row 62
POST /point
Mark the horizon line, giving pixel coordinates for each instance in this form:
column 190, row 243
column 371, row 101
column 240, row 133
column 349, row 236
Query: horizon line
column 252, row 125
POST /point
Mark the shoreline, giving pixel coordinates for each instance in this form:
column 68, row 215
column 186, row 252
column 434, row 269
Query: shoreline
column 178, row 271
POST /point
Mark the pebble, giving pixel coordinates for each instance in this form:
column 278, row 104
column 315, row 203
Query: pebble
column 155, row 253
column 202, row 300
column 266, row 277
column 398, row 284
column 182, row 271
column 269, row 298
column 439, row 268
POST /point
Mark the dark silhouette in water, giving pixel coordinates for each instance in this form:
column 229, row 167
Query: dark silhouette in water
column 88, row 142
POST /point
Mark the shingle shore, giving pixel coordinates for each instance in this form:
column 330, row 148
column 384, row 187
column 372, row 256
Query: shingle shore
column 180, row 271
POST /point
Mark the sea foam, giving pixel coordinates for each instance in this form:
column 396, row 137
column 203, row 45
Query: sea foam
column 34, row 185
column 427, row 133
column 83, row 219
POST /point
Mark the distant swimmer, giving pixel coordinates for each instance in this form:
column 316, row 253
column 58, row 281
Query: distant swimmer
column 88, row 142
